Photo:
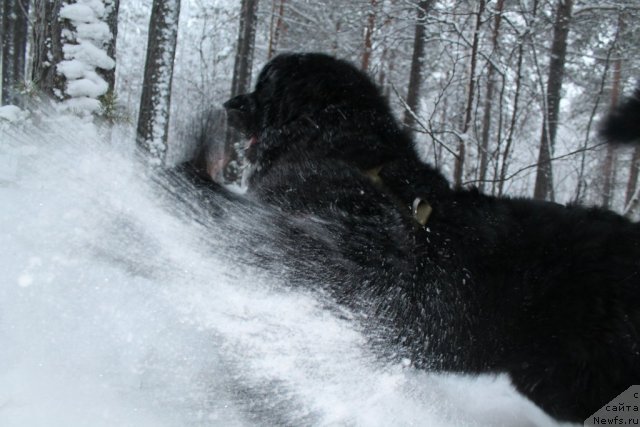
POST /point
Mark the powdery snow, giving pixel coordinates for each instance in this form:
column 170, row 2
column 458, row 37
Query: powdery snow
column 12, row 113
column 121, row 304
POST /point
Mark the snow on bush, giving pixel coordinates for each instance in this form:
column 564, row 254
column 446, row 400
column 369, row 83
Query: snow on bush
column 84, row 52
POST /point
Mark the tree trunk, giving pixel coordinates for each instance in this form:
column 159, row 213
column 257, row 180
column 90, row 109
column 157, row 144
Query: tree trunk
column 471, row 88
column 368, row 36
column 112, row 8
column 15, row 24
column 277, row 27
column 495, row 154
column 634, row 168
column 525, row 37
column 607, row 171
column 241, row 78
column 335, row 45
column 244, row 51
column 488, row 101
column 633, row 176
column 543, row 189
column 581, row 187
column 47, row 52
column 417, row 61
column 108, row 100
column 384, row 56
column 512, row 125
column 607, row 168
column 544, row 175
column 153, row 120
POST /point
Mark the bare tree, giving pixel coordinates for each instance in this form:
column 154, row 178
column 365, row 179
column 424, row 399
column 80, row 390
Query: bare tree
column 581, row 186
column 244, row 49
column 634, row 168
column 15, row 24
column 488, row 100
column 471, row 89
column 633, row 175
column 544, row 176
column 607, row 167
column 512, row 122
column 276, row 27
column 153, row 120
column 417, row 62
column 241, row 77
column 368, row 36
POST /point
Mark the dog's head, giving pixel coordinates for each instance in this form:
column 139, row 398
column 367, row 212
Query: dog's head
column 319, row 105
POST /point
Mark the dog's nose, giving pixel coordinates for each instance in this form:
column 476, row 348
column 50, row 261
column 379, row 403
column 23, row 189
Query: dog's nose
column 240, row 102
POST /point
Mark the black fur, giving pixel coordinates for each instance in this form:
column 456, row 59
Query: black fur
column 623, row 123
column 547, row 293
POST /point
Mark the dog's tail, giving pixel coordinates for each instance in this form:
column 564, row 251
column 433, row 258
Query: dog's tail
column 623, row 123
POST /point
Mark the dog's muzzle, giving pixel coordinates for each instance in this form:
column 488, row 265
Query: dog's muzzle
column 241, row 113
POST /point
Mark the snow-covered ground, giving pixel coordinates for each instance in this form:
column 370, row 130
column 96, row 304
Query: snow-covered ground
column 118, row 308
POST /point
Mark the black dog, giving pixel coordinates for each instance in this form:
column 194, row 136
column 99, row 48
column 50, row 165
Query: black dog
column 456, row 280
column 623, row 124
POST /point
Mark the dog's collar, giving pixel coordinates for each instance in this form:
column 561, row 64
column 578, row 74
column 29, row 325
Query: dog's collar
column 420, row 208
column 374, row 174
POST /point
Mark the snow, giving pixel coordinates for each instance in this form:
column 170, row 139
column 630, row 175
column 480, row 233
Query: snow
column 84, row 52
column 121, row 305
column 83, row 106
column 88, row 53
column 12, row 113
column 95, row 30
column 78, row 12
column 73, row 69
column 91, row 86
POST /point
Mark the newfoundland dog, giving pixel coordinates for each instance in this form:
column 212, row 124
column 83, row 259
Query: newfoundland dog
column 450, row 280
column 623, row 124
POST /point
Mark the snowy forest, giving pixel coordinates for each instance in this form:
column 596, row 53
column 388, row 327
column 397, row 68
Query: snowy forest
column 503, row 95
column 130, row 296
